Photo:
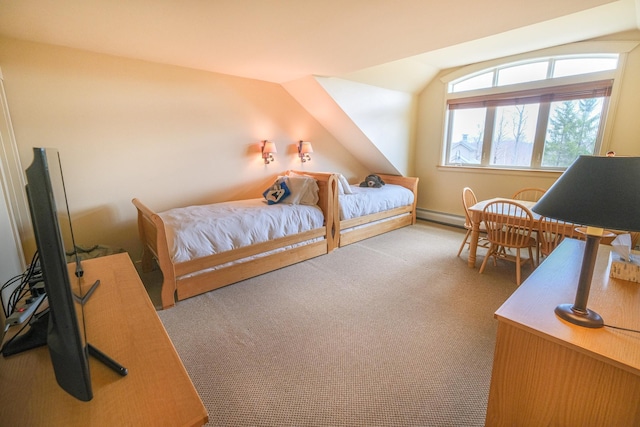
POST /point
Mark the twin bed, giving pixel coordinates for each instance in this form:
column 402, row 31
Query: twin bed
column 367, row 212
column 201, row 248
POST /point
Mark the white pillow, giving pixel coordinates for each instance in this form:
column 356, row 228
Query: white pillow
column 343, row 185
column 304, row 190
column 311, row 193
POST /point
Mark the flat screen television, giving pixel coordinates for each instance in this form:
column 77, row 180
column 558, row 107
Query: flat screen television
column 47, row 204
column 61, row 327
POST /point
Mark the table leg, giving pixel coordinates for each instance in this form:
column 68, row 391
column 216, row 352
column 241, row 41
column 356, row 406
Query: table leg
column 473, row 244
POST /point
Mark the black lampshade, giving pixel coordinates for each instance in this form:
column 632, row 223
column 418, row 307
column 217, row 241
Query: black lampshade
column 596, row 191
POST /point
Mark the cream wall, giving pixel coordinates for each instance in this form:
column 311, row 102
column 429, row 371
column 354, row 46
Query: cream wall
column 170, row 136
column 173, row 136
column 440, row 188
column 385, row 116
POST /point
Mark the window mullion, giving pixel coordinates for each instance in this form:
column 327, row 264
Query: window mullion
column 601, row 128
column 551, row 67
column 449, row 140
column 489, row 125
column 541, row 134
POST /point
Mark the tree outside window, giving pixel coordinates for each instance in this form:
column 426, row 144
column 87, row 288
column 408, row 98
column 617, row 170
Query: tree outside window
column 572, row 131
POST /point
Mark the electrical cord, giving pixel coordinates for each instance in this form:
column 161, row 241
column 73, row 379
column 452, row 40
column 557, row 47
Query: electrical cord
column 620, row 328
column 16, row 295
column 10, row 306
column 21, row 290
column 6, row 285
column 28, row 281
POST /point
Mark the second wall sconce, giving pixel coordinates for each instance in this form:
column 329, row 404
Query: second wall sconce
column 268, row 148
column 304, row 148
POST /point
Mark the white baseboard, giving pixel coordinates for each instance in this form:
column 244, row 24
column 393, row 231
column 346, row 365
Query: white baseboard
column 440, row 217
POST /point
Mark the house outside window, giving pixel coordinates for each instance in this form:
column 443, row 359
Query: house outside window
column 540, row 114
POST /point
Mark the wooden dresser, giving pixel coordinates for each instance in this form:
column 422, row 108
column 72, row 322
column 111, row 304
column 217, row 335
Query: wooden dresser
column 121, row 321
column 550, row 372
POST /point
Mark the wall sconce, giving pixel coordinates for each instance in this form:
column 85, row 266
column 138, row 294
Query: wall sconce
column 304, row 148
column 268, row 148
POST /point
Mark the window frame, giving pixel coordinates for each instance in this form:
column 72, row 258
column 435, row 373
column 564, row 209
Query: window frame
column 542, row 97
column 548, row 85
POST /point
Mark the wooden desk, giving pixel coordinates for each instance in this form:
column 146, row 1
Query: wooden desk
column 122, row 322
column 476, row 219
column 550, row 372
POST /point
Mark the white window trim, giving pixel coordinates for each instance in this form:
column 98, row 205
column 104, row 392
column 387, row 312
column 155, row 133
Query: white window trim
column 619, row 47
column 584, row 48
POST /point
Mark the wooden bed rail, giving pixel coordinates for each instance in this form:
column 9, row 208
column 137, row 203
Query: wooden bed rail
column 328, row 203
column 154, row 244
column 409, row 183
column 381, row 222
column 190, row 278
column 180, row 282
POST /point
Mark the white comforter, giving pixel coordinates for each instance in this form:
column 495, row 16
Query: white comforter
column 366, row 200
column 198, row 231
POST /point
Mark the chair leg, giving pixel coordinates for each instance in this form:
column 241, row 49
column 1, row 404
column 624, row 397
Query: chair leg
column 518, row 266
column 464, row 242
column 533, row 265
column 486, row 258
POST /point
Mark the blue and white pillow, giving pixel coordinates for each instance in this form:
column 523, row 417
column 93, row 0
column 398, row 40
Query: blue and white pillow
column 277, row 192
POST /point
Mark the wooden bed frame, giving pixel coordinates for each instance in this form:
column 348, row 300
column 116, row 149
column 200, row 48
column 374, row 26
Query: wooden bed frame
column 374, row 229
column 174, row 287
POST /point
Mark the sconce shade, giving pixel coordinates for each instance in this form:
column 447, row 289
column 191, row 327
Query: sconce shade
column 601, row 192
column 305, row 147
column 269, row 147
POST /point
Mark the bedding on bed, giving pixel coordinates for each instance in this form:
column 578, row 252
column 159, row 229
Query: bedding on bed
column 197, row 231
column 366, row 200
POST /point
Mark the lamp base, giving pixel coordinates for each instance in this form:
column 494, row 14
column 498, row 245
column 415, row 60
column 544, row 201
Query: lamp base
column 588, row 318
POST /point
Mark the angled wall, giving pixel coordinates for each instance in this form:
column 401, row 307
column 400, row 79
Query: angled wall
column 373, row 124
column 167, row 135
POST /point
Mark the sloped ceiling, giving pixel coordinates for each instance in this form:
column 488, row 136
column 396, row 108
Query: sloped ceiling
column 285, row 40
column 306, row 44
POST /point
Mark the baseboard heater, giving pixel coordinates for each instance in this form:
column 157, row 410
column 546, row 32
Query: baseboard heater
column 440, row 217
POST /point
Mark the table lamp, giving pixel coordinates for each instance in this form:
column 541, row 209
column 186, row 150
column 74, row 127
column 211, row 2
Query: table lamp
column 597, row 192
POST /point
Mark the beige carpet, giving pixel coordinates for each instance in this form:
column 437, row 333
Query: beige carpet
column 392, row 331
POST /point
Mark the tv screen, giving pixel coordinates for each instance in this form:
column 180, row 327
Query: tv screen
column 60, row 326
column 52, row 228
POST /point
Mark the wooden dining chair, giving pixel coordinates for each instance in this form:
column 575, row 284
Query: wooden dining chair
column 552, row 231
column 530, row 194
column 509, row 226
column 469, row 199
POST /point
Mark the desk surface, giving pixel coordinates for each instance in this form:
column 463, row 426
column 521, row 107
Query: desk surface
column 531, row 307
column 121, row 321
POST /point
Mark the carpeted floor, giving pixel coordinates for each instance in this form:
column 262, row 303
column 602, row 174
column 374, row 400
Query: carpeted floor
column 391, row 331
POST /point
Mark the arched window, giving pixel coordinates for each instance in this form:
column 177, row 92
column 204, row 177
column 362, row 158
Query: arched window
column 536, row 113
